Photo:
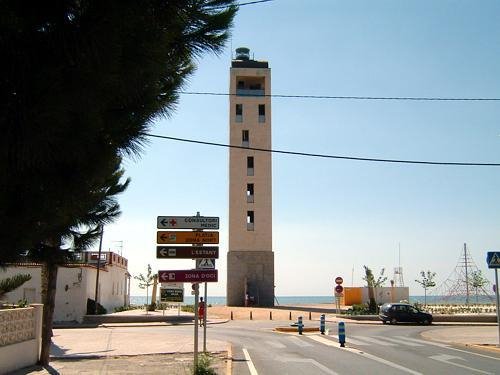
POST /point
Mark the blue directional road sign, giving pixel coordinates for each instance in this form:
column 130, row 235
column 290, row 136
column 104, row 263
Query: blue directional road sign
column 493, row 259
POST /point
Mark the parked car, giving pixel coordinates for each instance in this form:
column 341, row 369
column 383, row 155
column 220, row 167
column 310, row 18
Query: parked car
column 403, row 312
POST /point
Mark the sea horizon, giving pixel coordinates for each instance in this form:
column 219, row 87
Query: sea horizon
column 310, row 300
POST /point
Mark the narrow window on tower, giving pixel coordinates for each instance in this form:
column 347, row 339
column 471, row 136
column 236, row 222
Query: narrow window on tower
column 262, row 113
column 250, row 220
column 239, row 113
column 249, row 193
column 250, row 166
column 245, row 138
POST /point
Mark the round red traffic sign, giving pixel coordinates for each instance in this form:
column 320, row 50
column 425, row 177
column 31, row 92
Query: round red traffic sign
column 339, row 280
column 339, row 289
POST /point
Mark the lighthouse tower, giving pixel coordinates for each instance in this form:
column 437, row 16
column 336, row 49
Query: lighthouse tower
column 250, row 259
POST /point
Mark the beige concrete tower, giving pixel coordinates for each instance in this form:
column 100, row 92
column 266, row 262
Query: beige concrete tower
column 250, row 259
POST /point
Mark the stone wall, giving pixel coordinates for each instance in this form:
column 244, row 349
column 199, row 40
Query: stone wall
column 250, row 272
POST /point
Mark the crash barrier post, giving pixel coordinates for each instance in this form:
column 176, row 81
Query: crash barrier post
column 322, row 324
column 342, row 334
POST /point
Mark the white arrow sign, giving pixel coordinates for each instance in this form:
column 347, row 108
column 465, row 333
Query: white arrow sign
column 205, row 264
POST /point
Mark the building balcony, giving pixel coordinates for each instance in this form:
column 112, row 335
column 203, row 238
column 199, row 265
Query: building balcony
column 250, row 226
column 250, row 92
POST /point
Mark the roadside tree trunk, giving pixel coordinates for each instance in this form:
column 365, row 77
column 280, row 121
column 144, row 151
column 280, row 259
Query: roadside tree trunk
column 372, row 305
column 49, row 283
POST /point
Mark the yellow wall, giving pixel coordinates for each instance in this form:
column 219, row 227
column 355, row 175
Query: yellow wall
column 352, row 296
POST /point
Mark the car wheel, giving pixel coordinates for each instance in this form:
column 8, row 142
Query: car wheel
column 426, row 322
column 394, row 321
column 384, row 321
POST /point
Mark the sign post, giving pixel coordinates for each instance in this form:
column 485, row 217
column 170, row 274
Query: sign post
column 493, row 261
column 196, row 318
column 205, row 260
column 339, row 289
column 205, row 321
column 187, row 222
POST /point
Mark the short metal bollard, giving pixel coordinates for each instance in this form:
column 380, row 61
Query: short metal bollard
column 342, row 334
column 322, row 324
column 300, row 325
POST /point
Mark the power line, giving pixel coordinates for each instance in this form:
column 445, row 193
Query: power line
column 241, row 4
column 325, row 155
column 342, row 97
column 253, row 2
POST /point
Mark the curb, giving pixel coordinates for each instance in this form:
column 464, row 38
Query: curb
column 134, row 324
column 295, row 330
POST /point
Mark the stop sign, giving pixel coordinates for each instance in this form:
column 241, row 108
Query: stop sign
column 339, row 280
column 339, row 289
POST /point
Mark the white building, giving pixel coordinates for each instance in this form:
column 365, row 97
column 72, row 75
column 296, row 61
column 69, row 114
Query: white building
column 75, row 284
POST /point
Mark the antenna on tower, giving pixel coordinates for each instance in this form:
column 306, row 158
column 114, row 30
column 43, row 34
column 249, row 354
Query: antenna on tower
column 398, row 271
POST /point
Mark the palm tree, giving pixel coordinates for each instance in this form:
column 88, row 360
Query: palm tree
column 372, row 284
column 66, row 120
column 12, row 283
column 100, row 208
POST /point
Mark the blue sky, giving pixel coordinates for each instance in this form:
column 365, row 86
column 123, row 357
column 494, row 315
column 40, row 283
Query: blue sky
column 333, row 215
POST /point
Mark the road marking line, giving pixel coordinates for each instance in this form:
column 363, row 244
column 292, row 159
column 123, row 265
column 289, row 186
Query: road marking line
column 399, row 341
column 374, row 340
column 446, row 346
column 350, row 340
column 445, row 358
column 333, row 344
column 308, row 360
column 277, row 345
column 298, row 342
column 251, row 367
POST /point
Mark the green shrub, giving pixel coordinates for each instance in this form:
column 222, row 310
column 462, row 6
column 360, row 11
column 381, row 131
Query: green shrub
column 125, row 308
column 22, row 303
column 358, row 309
column 204, row 365
column 187, row 308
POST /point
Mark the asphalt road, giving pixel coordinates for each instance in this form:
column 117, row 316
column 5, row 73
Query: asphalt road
column 370, row 349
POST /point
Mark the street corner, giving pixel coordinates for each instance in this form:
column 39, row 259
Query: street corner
column 492, row 348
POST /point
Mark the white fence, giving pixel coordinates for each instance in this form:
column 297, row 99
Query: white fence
column 20, row 337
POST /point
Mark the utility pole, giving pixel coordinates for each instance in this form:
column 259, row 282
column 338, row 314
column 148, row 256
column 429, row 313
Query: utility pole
column 98, row 266
column 466, row 276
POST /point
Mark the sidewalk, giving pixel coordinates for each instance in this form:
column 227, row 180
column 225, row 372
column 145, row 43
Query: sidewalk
column 485, row 337
column 110, row 349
